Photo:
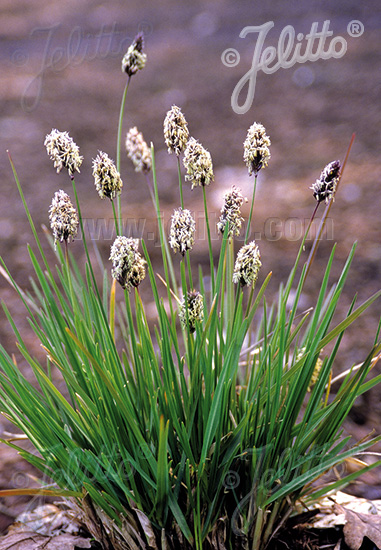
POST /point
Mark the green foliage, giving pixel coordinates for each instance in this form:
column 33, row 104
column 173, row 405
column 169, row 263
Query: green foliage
column 186, row 427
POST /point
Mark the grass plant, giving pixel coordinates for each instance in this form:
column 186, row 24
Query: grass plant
column 210, row 425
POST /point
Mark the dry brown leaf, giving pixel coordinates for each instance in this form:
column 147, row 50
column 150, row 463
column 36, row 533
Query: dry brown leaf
column 326, row 517
column 147, row 528
column 34, row 541
column 358, row 526
column 47, row 520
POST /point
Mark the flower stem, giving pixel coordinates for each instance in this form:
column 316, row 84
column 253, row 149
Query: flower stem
column 87, row 250
column 117, row 229
column 182, row 206
column 258, row 529
column 119, row 141
column 150, row 188
column 189, row 270
column 120, row 124
column 167, row 262
column 180, row 183
column 326, row 212
column 230, row 287
column 251, row 210
column 209, row 239
column 155, row 201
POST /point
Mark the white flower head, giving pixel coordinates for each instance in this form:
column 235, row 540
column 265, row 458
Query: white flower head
column 183, row 227
column 247, row 265
column 107, row 179
column 176, row 133
column 134, row 59
column 198, row 163
column 231, row 212
column 256, row 148
column 138, row 150
column 324, row 188
column 128, row 265
column 63, row 218
column 63, row 151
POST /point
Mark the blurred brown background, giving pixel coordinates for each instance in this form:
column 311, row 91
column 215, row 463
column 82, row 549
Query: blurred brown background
column 61, row 69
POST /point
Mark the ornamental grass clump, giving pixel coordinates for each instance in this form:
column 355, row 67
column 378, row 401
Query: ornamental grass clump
column 208, row 427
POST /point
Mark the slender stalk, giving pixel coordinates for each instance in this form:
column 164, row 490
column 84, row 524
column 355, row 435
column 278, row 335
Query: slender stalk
column 222, row 307
column 28, row 214
column 189, row 270
column 180, row 183
column 250, row 301
column 120, row 124
column 251, row 210
column 66, row 267
column 317, row 237
column 326, row 212
column 270, row 522
column 301, row 249
column 237, row 297
column 186, row 332
column 67, row 255
column 150, row 188
column 117, row 229
column 258, row 530
column 69, row 278
column 152, row 192
column 32, row 226
column 197, row 522
column 163, row 242
column 209, row 238
column 85, row 244
column 182, row 206
column 112, row 308
column 119, row 142
column 230, row 287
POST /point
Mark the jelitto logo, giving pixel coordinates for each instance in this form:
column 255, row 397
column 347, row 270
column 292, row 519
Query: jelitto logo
column 311, row 47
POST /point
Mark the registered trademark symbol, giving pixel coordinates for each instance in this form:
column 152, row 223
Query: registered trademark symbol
column 355, row 28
